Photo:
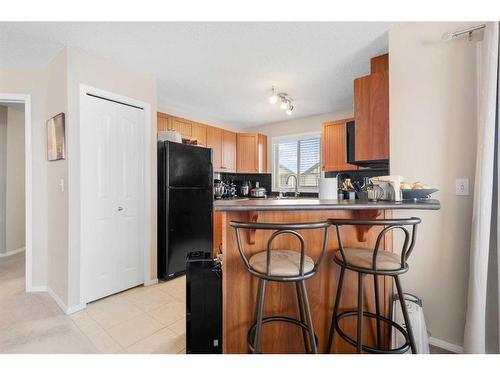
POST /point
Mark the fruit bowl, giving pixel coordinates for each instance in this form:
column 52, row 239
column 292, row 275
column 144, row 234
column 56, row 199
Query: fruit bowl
column 416, row 194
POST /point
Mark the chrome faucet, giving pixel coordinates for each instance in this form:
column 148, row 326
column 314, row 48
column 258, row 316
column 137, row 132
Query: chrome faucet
column 296, row 184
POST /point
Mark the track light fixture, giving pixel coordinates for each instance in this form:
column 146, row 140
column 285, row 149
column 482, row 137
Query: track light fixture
column 285, row 100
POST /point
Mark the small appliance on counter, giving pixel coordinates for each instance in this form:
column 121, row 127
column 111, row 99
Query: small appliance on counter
column 219, row 189
column 245, row 188
column 203, row 304
column 257, row 191
column 391, row 187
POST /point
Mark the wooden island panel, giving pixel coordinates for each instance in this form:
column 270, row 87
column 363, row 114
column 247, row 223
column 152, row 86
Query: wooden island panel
column 240, row 288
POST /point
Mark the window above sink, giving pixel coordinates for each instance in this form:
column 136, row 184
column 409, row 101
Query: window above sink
column 298, row 156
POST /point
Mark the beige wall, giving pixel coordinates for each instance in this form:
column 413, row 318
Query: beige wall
column 3, row 178
column 33, row 82
column 104, row 75
column 433, row 133
column 57, row 200
column 295, row 126
column 15, row 197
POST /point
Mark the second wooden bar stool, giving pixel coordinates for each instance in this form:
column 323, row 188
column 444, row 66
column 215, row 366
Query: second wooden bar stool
column 282, row 265
column 376, row 262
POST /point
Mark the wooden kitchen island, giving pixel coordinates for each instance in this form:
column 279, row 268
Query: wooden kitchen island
column 240, row 288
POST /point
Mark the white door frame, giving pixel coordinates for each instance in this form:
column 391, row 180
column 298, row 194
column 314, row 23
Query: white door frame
column 28, row 173
column 146, row 210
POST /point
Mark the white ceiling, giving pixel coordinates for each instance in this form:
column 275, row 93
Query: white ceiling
column 219, row 73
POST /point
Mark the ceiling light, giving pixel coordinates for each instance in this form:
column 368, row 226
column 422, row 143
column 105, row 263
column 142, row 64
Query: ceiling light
column 273, row 99
column 286, row 101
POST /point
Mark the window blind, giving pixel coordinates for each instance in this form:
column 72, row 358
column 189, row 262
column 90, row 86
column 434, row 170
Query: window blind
column 300, row 157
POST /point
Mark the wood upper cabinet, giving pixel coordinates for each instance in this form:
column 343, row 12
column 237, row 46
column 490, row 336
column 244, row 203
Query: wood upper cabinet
column 251, row 153
column 199, row 132
column 214, row 141
column 334, row 146
column 162, row 122
column 183, row 126
column 262, row 153
column 228, row 151
column 371, row 113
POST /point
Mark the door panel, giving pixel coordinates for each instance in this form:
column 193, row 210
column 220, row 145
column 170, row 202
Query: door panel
column 214, row 141
column 228, row 151
column 189, row 165
column 112, row 149
column 192, row 231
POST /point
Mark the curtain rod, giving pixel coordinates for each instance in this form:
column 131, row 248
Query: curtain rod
column 449, row 36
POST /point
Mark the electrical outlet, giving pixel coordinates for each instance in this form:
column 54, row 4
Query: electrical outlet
column 462, row 186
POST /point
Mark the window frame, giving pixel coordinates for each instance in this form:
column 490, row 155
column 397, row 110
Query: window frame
column 275, row 166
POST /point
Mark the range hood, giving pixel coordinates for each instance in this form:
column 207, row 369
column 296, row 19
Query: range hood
column 351, row 151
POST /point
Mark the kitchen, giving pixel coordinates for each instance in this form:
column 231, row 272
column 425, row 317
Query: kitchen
column 366, row 140
column 353, row 149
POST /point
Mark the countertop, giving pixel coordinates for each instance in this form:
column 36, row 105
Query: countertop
column 274, row 204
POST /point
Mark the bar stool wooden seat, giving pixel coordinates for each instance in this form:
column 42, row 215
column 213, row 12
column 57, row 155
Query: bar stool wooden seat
column 376, row 262
column 282, row 265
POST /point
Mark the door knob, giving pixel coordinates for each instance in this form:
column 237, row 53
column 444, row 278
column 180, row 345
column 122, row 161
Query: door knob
column 120, row 208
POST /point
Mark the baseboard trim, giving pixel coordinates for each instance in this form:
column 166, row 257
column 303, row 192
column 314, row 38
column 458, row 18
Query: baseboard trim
column 58, row 300
column 446, row 345
column 151, row 282
column 12, row 252
column 36, row 289
column 76, row 308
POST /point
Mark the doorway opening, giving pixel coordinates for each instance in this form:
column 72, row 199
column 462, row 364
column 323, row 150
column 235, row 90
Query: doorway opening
column 15, row 275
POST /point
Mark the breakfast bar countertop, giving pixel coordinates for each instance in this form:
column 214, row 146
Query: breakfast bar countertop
column 291, row 204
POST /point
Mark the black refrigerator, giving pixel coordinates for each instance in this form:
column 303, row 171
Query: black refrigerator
column 185, row 205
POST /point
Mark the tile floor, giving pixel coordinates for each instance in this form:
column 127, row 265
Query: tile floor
column 140, row 320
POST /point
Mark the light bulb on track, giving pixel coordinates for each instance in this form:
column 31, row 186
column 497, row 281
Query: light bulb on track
column 273, row 99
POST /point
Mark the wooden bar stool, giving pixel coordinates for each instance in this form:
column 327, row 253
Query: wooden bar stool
column 376, row 262
column 282, row 265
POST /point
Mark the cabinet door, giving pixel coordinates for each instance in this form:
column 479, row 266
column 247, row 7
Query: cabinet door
column 162, row 120
column 228, row 151
column 247, row 158
column 182, row 126
column 371, row 114
column 334, row 146
column 214, row 141
column 262, row 153
column 199, row 132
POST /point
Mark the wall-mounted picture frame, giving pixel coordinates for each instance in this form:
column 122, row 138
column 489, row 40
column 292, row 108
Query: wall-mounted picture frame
column 56, row 145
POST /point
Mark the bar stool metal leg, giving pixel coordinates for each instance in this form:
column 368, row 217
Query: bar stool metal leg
column 409, row 329
column 303, row 291
column 302, row 317
column 377, row 309
column 259, row 314
column 335, row 309
column 361, row 278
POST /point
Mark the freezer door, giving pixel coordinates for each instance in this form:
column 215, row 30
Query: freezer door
column 189, row 226
column 189, row 166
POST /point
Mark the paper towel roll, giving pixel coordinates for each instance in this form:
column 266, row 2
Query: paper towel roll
column 328, row 188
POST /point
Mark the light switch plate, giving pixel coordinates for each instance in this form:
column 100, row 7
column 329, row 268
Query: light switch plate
column 462, row 186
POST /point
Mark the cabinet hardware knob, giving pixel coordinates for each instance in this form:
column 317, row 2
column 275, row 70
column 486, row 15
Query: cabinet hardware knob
column 120, row 208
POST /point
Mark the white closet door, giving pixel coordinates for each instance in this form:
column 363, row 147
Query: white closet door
column 112, row 190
